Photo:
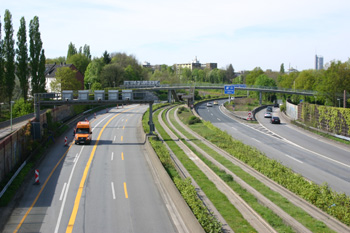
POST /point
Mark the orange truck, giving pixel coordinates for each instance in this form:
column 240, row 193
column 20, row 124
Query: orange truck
column 82, row 133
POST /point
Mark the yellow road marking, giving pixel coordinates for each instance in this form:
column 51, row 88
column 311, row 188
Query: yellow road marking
column 124, row 127
column 121, row 139
column 82, row 182
column 122, row 156
column 125, row 191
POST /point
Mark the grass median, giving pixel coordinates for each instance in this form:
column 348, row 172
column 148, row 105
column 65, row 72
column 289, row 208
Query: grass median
column 211, row 135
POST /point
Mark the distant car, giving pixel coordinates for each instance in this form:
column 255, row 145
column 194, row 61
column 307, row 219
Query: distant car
column 215, row 103
column 209, row 104
column 276, row 105
column 267, row 115
column 269, row 109
column 275, row 120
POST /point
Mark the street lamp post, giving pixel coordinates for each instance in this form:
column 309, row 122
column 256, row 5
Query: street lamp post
column 11, row 113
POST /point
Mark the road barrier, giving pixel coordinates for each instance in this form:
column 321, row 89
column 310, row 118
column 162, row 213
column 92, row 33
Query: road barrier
column 65, row 141
column 36, row 176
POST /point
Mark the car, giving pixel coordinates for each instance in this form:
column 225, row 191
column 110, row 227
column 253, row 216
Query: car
column 267, row 115
column 215, row 103
column 276, row 105
column 275, row 120
column 269, row 109
column 209, row 104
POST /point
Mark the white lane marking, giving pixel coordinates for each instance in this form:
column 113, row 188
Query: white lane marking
column 211, row 114
column 218, row 119
column 113, row 192
column 99, row 123
column 114, row 138
column 112, row 156
column 292, row 143
column 233, row 128
column 66, row 192
column 64, row 188
column 76, row 157
column 293, row 158
column 256, row 140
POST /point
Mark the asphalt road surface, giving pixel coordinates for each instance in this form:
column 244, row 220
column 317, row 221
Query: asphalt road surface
column 315, row 158
column 103, row 187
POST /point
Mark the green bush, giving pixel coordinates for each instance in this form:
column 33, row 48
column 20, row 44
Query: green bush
column 193, row 120
column 21, row 108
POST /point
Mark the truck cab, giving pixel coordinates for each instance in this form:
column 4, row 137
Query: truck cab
column 83, row 133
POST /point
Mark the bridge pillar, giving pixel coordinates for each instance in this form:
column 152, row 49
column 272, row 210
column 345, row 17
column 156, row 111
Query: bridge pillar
column 169, row 96
column 150, row 122
column 260, row 97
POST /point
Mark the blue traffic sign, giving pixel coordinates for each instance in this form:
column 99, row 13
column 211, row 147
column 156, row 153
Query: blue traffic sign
column 230, row 89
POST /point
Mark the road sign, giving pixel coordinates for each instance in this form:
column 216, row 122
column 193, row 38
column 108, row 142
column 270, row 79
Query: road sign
column 229, row 89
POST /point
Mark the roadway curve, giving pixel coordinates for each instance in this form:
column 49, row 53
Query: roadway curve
column 316, row 159
column 103, row 187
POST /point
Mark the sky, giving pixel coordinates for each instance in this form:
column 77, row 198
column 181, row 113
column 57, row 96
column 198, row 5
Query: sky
column 244, row 33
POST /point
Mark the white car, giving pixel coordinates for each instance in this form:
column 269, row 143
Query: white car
column 209, row 104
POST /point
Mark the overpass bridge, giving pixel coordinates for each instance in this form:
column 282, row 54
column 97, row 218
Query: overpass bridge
column 173, row 87
column 84, row 97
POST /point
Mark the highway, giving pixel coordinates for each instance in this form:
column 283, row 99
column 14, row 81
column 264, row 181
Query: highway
column 317, row 159
column 103, row 187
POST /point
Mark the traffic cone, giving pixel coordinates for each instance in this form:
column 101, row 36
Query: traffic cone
column 65, row 141
column 36, row 176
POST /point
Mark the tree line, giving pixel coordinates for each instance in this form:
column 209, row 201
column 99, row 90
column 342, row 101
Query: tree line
column 16, row 65
column 330, row 83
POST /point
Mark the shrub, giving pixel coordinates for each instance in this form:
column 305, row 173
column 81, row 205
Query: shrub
column 193, row 120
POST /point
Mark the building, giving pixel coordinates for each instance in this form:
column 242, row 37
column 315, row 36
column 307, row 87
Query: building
column 195, row 64
column 318, row 62
column 50, row 74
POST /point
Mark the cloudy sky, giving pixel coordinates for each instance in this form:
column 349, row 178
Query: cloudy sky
column 244, row 33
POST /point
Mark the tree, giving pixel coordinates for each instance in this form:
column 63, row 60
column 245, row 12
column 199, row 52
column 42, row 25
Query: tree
column 35, row 47
column 230, row 74
column 129, row 73
column 1, row 67
column 41, row 72
column 22, row 59
column 265, row 81
column 9, row 52
column 106, row 58
column 71, row 50
column 282, row 69
column 65, row 80
column 251, row 77
column 80, row 61
column 93, row 71
column 86, row 51
column 111, row 75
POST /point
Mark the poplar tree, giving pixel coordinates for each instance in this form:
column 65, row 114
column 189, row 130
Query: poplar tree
column 22, row 58
column 41, row 72
column 71, row 50
column 1, row 66
column 35, row 46
column 9, row 56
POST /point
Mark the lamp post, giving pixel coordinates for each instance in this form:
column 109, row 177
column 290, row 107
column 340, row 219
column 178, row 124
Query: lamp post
column 339, row 101
column 11, row 112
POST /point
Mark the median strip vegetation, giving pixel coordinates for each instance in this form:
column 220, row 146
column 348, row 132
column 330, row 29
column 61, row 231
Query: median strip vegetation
column 208, row 222
column 322, row 196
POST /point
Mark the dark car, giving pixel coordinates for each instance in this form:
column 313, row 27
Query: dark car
column 276, row 105
column 275, row 120
column 269, row 109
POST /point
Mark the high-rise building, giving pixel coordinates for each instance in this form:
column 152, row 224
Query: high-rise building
column 318, row 62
